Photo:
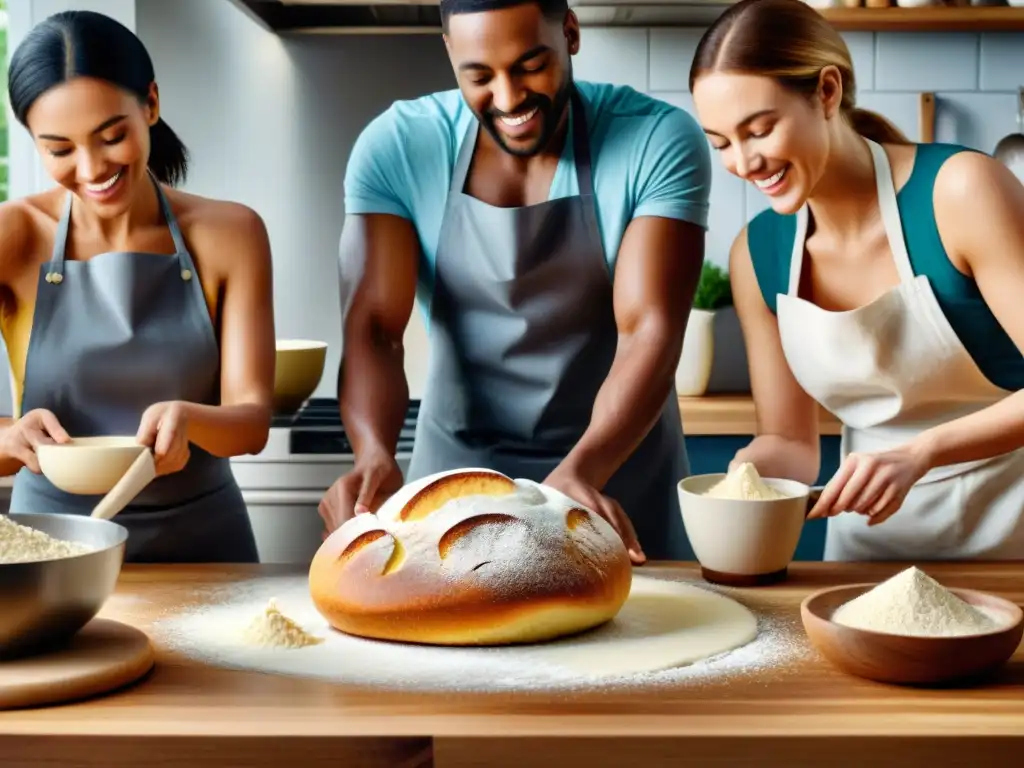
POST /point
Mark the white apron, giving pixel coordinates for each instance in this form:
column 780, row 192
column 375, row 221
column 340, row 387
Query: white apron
column 888, row 371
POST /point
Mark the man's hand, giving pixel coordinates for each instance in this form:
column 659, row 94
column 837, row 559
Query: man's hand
column 373, row 479
column 582, row 492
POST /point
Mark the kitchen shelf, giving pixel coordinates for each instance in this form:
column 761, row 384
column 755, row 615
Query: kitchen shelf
column 928, row 19
column 734, row 415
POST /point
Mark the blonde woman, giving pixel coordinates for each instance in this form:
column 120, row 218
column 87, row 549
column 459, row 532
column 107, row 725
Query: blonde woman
column 884, row 283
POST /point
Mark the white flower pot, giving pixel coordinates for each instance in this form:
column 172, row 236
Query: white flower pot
column 694, row 369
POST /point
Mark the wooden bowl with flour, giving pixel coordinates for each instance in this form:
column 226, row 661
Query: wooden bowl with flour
column 919, row 649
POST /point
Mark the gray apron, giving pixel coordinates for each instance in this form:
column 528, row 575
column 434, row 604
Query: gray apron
column 110, row 337
column 522, row 336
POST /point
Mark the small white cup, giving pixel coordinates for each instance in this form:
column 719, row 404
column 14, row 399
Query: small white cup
column 738, row 542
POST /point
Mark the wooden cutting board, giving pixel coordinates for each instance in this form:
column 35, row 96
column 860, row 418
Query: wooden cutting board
column 103, row 656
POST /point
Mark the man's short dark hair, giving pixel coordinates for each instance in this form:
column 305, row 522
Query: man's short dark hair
column 553, row 9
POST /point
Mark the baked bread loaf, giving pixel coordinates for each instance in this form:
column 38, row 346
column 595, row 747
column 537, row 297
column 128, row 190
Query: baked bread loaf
column 471, row 557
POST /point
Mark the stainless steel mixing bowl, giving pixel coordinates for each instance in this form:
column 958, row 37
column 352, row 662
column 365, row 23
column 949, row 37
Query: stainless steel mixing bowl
column 43, row 604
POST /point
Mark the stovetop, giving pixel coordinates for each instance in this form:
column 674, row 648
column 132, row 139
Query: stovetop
column 317, row 429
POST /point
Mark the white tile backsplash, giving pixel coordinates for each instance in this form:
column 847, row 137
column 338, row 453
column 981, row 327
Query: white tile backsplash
column 976, row 120
column 671, row 55
column 916, row 61
column 1001, row 61
column 616, row 56
column 862, row 52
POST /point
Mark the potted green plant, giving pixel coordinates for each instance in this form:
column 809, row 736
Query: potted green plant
column 713, row 293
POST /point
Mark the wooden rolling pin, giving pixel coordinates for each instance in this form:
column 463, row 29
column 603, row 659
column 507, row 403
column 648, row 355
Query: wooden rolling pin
column 926, row 117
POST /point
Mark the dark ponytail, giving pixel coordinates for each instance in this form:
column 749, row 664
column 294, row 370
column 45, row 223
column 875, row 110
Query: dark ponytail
column 88, row 44
column 168, row 158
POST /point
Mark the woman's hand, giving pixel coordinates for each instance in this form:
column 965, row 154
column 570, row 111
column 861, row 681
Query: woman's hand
column 37, row 427
column 164, row 429
column 872, row 484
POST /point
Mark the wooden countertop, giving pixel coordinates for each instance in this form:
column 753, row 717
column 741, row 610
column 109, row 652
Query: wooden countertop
column 201, row 716
column 732, row 415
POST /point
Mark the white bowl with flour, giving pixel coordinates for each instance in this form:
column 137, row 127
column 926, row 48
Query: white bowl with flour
column 744, row 529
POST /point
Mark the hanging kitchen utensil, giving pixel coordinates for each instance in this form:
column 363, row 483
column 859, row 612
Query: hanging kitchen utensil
column 139, row 475
column 1010, row 149
column 926, row 117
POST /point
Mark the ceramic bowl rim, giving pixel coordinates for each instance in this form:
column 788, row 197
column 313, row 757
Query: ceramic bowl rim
column 774, row 482
column 299, row 345
column 122, row 538
column 93, row 443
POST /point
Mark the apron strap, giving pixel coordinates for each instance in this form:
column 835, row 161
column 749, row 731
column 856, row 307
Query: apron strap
column 796, row 259
column 188, row 268
column 56, row 273
column 465, row 158
column 60, row 238
column 891, row 212
column 887, row 203
column 172, row 221
column 581, row 145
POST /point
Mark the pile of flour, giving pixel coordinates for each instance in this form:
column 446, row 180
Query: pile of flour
column 22, row 544
column 216, row 634
column 273, row 629
column 912, row 603
column 745, row 484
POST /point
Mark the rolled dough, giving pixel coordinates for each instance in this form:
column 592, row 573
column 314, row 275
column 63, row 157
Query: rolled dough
column 663, row 624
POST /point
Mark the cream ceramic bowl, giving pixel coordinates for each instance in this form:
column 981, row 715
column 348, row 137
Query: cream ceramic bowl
column 299, row 365
column 88, row 465
column 743, row 543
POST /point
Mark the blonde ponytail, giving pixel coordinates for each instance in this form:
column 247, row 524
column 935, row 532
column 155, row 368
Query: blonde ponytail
column 872, row 125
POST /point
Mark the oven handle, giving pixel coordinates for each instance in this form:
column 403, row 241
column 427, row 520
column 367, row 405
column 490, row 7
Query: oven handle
column 285, row 496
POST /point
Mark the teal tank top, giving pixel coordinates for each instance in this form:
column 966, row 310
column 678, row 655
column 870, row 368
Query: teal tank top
column 770, row 240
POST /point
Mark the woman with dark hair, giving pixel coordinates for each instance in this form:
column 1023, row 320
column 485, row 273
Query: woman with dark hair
column 129, row 307
column 884, row 283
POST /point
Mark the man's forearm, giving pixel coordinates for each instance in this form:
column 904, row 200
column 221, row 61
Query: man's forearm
column 373, row 394
column 630, row 401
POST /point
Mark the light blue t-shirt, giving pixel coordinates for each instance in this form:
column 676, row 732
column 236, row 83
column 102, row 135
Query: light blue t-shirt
column 648, row 158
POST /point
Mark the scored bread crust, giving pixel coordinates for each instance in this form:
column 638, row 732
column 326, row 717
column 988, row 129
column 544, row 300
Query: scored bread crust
column 471, row 557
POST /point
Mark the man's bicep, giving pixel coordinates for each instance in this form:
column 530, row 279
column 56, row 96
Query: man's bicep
column 379, row 257
column 656, row 274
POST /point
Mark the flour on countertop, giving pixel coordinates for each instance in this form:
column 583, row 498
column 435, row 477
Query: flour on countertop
column 913, row 603
column 210, row 634
column 744, row 484
column 273, row 628
column 22, row 544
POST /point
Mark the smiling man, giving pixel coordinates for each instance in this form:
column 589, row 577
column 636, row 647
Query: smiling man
column 553, row 231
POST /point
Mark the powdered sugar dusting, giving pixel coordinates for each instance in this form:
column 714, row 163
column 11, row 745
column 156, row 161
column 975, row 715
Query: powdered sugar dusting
column 532, row 542
column 210, row 634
